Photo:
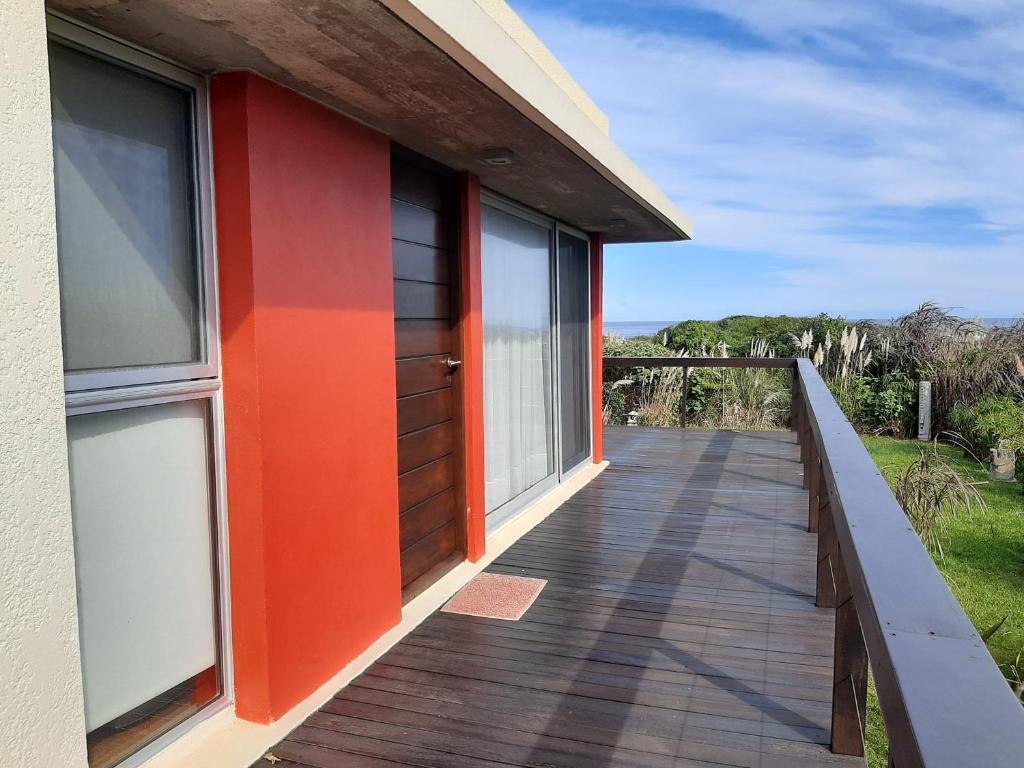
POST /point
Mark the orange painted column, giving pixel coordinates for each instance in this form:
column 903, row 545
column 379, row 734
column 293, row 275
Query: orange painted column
column 229, row 96
column 597, row 339
column 473, row 365
column 307, row 326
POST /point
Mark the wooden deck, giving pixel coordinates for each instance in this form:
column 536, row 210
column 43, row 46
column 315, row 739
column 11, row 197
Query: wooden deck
column 678, row 628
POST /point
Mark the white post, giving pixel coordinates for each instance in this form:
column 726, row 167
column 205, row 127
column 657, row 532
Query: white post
column 924, row 410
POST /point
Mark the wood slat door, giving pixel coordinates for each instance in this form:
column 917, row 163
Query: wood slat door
column 425, row 252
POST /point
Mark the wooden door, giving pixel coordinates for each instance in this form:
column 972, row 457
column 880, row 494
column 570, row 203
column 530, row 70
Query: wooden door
column 431, row 493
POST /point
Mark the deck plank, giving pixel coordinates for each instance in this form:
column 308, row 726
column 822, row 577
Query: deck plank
column 677, row 630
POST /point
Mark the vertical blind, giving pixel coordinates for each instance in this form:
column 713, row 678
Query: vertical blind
column 518, row 420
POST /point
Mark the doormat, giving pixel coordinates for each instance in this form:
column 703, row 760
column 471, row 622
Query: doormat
column 494, row 596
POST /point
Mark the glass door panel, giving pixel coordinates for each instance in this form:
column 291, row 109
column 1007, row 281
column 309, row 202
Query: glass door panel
column 518, row 402
column 574, row 348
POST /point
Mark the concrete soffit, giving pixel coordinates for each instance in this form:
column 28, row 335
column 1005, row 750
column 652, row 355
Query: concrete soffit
column 492, row 43
column 446, row 78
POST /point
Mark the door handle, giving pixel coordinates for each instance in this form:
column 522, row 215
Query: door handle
column 453, row 364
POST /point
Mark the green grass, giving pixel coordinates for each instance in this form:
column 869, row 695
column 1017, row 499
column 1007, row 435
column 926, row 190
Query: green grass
column 984, row 563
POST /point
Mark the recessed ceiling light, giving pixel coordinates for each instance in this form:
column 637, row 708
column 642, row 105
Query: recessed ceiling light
column 498, row 156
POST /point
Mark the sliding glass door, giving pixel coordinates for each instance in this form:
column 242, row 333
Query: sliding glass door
column 574, row 348
column 536, row 312
column 518, row 392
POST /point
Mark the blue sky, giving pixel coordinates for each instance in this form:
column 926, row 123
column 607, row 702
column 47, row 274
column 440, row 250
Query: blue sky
column 855, row 158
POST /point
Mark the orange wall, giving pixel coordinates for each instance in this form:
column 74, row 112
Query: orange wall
column 473, row 364
column 597, row 339
column 304, row 228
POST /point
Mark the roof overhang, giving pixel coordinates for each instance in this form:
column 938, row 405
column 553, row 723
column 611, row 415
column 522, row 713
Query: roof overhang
column 449, row 79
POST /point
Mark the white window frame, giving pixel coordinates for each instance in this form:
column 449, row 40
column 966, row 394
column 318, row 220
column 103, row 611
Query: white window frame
column 123, row 388
column 497, row 518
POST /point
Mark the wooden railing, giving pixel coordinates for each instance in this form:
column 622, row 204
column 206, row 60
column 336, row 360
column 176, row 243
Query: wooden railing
column 943, row 699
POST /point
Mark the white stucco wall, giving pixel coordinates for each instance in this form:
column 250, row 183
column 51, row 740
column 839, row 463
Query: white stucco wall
column 41, row 714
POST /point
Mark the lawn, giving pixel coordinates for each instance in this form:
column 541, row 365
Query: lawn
column 984, row 561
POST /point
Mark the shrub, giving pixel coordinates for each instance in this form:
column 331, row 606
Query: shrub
column 994, row 422
column 850, row 396
column 881, row 405
column 887, row 404
column 616, row 402
column 692, row 335
column 617, row 346
column 705, row 392
column 738, row 332
column 986, row 424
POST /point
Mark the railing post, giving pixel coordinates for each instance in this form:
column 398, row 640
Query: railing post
column 795, row 403
column 801, row 436
column 825, row 586
column 814, row 489
column 850, row 676
column 806, row 445
column 686, row 387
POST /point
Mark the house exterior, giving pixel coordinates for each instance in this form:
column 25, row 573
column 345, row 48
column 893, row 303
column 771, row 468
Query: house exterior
column 301, row 324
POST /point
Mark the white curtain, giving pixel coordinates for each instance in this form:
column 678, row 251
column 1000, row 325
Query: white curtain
column 518, row 421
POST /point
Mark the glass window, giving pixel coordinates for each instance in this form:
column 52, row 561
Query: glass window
column 574, row 348
column 125, row 174
column 518, row 409
column 144, row 557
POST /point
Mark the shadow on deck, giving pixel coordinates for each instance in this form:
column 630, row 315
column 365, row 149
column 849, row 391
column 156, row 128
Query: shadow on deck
column 678, row 628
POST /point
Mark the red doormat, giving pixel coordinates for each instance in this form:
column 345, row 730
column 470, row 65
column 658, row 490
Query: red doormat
column 493, row 596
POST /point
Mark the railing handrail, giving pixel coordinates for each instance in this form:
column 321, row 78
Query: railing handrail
column 944, row 700
column 699, row 362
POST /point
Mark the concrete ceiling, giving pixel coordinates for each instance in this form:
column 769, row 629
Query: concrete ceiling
column 360, row 58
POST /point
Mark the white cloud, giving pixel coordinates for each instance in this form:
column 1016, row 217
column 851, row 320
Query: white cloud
column 792, row 153
column 787, row 17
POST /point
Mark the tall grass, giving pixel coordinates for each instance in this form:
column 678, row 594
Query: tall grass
column 932, row 494
column 660, row 400
column 755, row 398
column 965, row 362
